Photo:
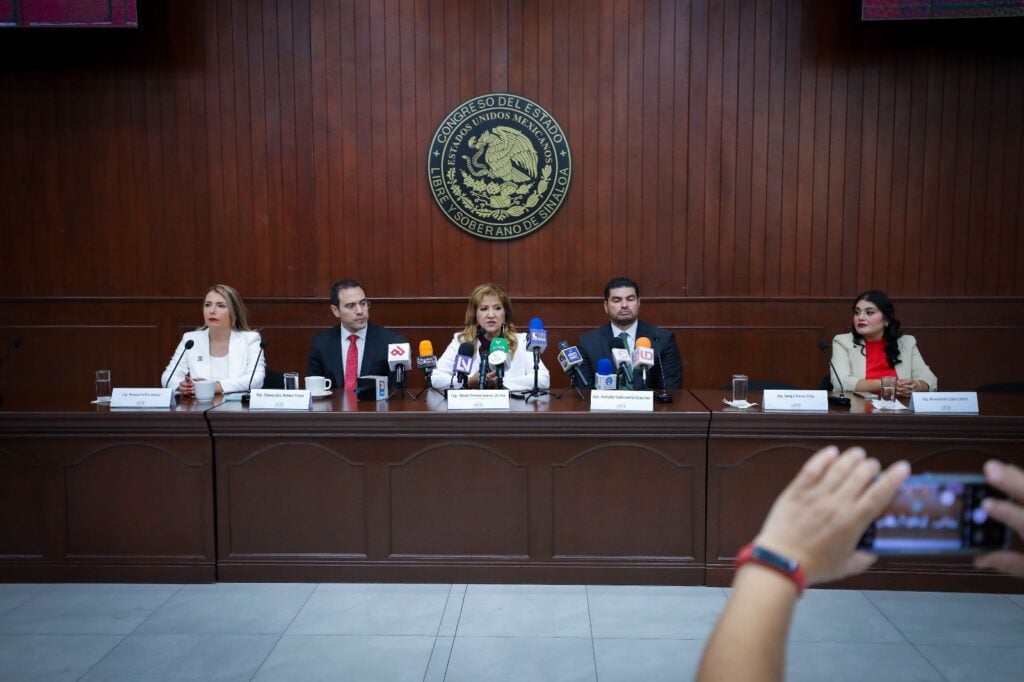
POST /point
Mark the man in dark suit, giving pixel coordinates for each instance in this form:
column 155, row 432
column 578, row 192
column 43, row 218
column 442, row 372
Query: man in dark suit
column 354, row 341
column 622, row 305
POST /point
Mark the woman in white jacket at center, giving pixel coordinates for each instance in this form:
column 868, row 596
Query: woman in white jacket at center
column 489, row 316
column 224, row 349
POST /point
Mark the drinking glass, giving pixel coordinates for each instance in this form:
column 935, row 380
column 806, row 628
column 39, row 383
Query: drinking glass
column 739, row 387
column 291, row 381
column 103, row 385
column 889, row 389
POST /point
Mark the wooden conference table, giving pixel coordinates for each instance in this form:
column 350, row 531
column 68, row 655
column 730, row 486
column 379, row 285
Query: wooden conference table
column 405, row 490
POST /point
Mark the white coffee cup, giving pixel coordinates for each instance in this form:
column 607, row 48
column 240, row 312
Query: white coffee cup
column 205, row 390
column 318, row 384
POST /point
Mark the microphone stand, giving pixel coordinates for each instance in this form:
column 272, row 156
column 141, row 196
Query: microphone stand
column 400, row 388
column 840, row 400
column 429, row 386
column 536, row 391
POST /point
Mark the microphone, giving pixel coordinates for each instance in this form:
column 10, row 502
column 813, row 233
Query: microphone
column 463, row 362
column 188, row 347
column 570, row 359
column 497, row 359
column 643, row 357
column 398, row 361
column 604, row 376
column 841, row 399
column 485, row 348
column 622, row 361
column 427, row 361
column 536, row 340
column 248, row 389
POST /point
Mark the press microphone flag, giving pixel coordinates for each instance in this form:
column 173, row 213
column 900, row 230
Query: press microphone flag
column 537, row 337
column 643, row 358
column 427, row 359
column 604, row 377
column 399, row 360
column 570, row 359
column 497, row 359
column 464, row 362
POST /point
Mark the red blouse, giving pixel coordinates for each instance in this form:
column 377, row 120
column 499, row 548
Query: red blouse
column 877, row 363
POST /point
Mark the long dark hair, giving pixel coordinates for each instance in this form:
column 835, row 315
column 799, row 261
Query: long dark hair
column 890, row 333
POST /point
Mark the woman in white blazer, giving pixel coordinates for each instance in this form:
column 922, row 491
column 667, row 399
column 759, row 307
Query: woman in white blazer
column 488, row 316
column 224, row 349
column 875, row 347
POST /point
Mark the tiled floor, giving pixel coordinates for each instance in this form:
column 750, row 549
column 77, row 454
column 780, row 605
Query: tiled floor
column 481, row 632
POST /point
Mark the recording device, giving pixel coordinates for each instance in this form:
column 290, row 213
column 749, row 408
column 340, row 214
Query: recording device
column 623, row 363
column 485, row 350
column 643, row 357
column 248, row 389
column 464, row 362
column 188, row 347
column 570, row 359
column 841, row 400
column 399, row 355
column 937, row 514
column 604, row 376
column 15, row 344
column 497, row 358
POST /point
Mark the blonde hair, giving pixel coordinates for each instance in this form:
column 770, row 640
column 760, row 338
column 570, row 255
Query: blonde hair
column 508, row 329
column 235, row 306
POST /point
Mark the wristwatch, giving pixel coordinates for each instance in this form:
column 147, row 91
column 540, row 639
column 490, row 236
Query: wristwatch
column 780, row 564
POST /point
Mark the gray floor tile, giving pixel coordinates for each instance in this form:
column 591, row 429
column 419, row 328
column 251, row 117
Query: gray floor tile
column 525, row 611
column 815, row 619
column 184, row 657
column 650, row 660
column 521, row 659
column 953, row 618
column 16, row 594
column 342, row 657
column 835, row 662
column 230, row 609
column 968, row 663
column 452, row 611
column 655, row 612
column 52, row 657
column 391, row 609
column 86, row 609
column 439, row 658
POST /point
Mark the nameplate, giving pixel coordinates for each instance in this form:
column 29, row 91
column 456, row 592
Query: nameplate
column 621, row 401
column 142, row 397
column 947, row 402
column 466, row 399
column 788, row 400
column 276, row 399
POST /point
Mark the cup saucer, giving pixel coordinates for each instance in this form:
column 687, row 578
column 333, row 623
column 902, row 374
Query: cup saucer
column 320, row 394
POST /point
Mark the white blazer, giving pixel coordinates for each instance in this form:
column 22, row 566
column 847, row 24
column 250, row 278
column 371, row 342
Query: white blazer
column 851, row 362
column 518, row 370
column 243, row 349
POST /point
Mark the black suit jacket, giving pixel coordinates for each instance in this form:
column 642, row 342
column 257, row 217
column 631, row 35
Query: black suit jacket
column 668, row 364
column 325, row 353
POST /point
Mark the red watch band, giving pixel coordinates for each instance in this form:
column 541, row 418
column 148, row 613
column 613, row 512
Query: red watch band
column 780, row 564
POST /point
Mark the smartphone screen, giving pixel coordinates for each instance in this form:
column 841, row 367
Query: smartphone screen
column 937, row 514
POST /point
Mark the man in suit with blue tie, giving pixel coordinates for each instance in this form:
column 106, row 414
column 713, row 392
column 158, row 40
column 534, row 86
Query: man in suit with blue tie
column 622, row 305
column 355, row 347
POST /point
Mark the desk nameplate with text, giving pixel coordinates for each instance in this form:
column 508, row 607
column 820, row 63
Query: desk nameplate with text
column 136, row 398
column 468, row 399
column 790, row 400
column 276, row 399
column 946, row 402
column 621, row 401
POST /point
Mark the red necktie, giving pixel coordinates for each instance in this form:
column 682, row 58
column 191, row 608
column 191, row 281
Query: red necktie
column 351, row 364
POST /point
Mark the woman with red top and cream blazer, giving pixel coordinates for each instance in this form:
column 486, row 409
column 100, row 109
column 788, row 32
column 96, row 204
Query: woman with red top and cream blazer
column 875, row 347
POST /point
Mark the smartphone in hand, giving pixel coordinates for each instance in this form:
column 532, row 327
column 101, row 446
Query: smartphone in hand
column 937, row 514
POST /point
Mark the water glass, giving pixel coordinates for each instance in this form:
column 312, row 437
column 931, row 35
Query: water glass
column 739, row 388
column 291, row 381
column 103, row 385
column 889, row 389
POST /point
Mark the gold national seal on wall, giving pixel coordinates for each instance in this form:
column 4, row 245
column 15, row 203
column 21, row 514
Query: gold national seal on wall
column 499, row 166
